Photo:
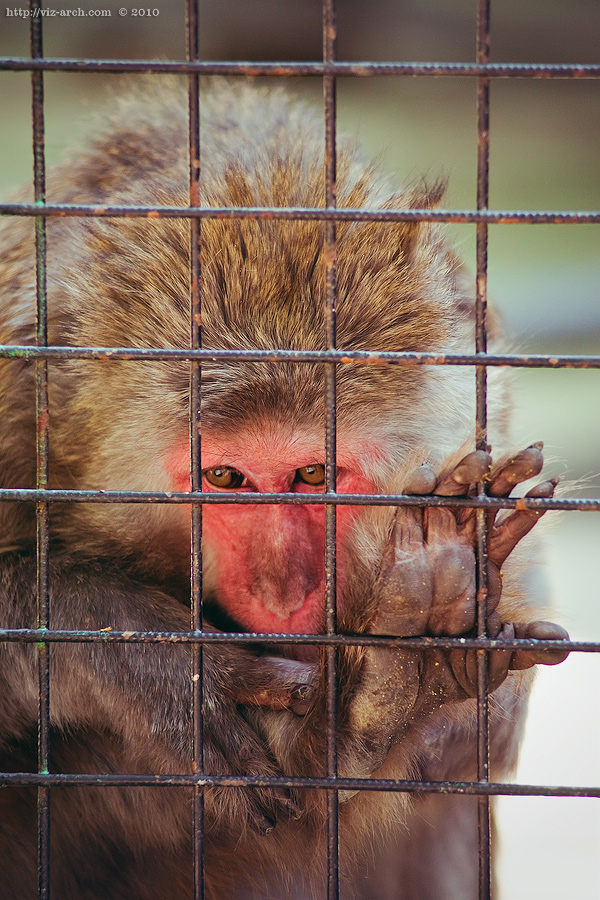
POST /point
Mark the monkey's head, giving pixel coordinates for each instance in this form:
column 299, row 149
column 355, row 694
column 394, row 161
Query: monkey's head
column 263, row 286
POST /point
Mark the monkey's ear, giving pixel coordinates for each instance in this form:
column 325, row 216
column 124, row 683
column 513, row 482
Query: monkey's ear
column 420, row 196
column 424, row 195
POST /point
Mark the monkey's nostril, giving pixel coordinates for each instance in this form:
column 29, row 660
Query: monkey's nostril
column 284, row 601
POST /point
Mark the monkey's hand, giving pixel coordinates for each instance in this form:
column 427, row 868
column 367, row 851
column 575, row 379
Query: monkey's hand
column 142, row 692
column 427, row 586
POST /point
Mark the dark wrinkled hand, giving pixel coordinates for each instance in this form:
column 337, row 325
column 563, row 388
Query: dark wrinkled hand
column 427, row 586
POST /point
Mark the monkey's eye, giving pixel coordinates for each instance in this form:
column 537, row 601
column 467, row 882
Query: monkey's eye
column 225, row 477
column 311, row 474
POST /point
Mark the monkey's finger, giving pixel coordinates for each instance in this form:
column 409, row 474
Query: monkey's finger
column 302, row 698
column 298, row 699
column 440, row 524
column 408, row 521
column 267, row 806
column 403, row 586
column 540, row 631
column 421, row 480
column 260, row 823
column 472, row 468
column 494, row 592
column 280, row 683
column 453, row 607
column 288, row 802
column 503, row 478
column 296, row 807
column 509, row 531
column 464, row 665
column 499, row 661
column 407, row 531
column 526, row 464
column 464, row 669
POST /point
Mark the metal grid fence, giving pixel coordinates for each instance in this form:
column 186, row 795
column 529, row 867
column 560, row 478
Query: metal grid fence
column 327, row 70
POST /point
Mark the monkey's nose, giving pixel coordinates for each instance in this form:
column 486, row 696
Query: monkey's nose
column 285, row 591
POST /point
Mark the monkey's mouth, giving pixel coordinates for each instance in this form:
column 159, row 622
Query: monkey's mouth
column 215, row 615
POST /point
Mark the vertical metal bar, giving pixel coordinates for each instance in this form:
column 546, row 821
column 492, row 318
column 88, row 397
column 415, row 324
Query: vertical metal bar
column 483, row 158
column 41, row 413
column 329, row 105
column 195, row 452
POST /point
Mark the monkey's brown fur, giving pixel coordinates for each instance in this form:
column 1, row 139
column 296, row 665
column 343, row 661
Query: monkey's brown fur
column 125, row 282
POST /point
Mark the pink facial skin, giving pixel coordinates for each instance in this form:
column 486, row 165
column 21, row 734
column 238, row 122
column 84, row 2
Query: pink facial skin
column 269, row 560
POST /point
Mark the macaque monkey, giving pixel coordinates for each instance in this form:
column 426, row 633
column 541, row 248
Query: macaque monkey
column 124, row 425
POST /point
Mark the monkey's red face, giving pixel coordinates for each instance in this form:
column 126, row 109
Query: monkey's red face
column 265, row 563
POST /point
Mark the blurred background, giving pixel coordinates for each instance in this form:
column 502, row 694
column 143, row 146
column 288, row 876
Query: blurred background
column 544, row 279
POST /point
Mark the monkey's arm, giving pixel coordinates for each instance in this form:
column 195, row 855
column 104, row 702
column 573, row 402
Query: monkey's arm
column 426, row 586
column 138, row 691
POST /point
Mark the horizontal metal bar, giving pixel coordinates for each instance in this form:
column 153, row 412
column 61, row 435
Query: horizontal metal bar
column 344, row 357
column 316, row 68
column 422, row 642
column 61, row 779
column 32, row 495
column 305, row 213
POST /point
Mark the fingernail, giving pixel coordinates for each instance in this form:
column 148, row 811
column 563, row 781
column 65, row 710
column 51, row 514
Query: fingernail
column 303, row 692
column 265, row 825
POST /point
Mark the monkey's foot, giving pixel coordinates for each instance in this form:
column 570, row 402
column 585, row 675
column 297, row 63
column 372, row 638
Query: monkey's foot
column 427, row 586
column 270, row 682
column 241, row 750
